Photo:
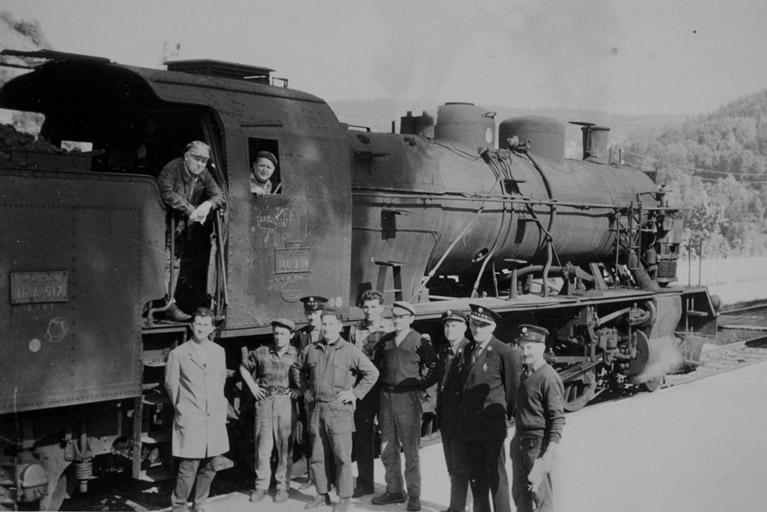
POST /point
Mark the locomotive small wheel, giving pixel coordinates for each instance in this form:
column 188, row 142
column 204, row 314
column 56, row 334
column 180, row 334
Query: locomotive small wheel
column 579, row 392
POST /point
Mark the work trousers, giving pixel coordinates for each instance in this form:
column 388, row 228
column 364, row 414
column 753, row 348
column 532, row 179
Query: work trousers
column 331, row 425
column 400, row 418
column 523, row 453
column 457, row 462
column 364, row 438
column 274, row 423
column 487, row 474
column 185, row 480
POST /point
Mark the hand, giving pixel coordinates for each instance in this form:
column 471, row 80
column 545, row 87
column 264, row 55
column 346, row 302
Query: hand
column 347, row 396
column 293, row 393
column 200, row 214
column 260, row 393
column 308, row 396
column 536, row 475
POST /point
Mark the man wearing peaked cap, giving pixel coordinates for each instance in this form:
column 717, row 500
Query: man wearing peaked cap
column 408, row 366
column 489, row 389
column 540, row 420
column 450, row 378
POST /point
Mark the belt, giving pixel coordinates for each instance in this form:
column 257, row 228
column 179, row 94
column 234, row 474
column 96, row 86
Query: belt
column 392, row 388
column 275, row 390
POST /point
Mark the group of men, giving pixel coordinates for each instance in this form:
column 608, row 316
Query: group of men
column 318, row 390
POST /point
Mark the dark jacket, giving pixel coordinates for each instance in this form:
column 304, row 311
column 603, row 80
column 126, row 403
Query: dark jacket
column 489, row 390
column 451, row 375
column 410, row 366
column 182, row 193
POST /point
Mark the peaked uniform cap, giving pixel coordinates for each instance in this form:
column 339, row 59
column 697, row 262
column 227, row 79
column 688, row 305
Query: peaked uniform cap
column 314, row 302
column 401, row 304
column 483, row 314
column 532, row 333
column 452, row 314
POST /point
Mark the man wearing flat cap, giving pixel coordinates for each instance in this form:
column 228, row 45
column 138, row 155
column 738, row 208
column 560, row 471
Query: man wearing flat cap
column 190, row 193
column 540, row 419
column 334, row 374
column 408, row 366
column 365, row 336
column 266, row 371
column 492, row 373
column 261, row 171
column 451, row 375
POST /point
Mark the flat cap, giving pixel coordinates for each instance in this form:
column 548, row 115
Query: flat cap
column 313, row 302
column 284, row 322
column 268, row 155
column 198, row 147
column 401, row 304
column 532, row 333
column 483, row 314
column 452, row 314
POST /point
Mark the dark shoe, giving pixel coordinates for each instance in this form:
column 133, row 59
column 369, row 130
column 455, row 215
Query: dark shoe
column 257, row 495
column 388, row 497
column 174, row 313
column 361, row 490
column 318, row 501
column 342, row 505
column 413, row 504
column 282, row 495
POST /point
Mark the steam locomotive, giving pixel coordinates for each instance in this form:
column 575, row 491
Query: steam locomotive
column 441, row 214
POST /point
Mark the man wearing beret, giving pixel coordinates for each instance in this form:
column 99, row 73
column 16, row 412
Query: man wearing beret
column 334, row 374
column 266, row 371
column 190, row 193
column 492, row 373
column 451, row 375
column 408, row 366
column 540, row 419
column 261, row 171
column 365, row 336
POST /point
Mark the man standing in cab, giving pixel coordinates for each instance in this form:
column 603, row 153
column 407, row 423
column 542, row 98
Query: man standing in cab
column 190, row 193
column 492, row 375
column 451, row 375
column 266, row 371
column 194, row 378
column 540, row 419
column 408, row 366
column 365, row 336
column 334, row 374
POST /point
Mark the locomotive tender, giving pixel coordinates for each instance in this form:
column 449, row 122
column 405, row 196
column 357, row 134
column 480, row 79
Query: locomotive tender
column 439, row 214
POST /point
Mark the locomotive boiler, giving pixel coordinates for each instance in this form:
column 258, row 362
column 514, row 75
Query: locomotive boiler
column 442, row 214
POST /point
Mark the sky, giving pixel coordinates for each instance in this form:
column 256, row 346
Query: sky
column 621, row 56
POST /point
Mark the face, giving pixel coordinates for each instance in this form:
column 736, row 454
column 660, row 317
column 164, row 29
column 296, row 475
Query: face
column 481, row 331
column 532, row 353
column 401, row 320
column 314, row 318
column 372, row 310
column 196, row 160
column 202, row 327
column 281, row 335
column 331, row 328
column 454, row 330
column 263, row 168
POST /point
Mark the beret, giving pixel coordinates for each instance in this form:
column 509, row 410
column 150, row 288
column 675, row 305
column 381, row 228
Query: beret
column 268, row 155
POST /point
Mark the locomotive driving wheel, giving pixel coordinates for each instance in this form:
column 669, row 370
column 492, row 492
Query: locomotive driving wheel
column 580, row 391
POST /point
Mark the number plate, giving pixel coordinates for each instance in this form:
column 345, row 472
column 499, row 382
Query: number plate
column 34, row 287
column 287, row 261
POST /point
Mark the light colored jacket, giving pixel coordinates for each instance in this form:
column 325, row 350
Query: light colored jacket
column 197, row 393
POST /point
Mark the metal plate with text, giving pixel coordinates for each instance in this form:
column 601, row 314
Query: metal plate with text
column 292, row 260
column 34, row 287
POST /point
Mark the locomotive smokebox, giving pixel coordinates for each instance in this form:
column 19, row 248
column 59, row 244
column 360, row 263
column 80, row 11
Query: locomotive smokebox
column 546, row 136
column 465, row 124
